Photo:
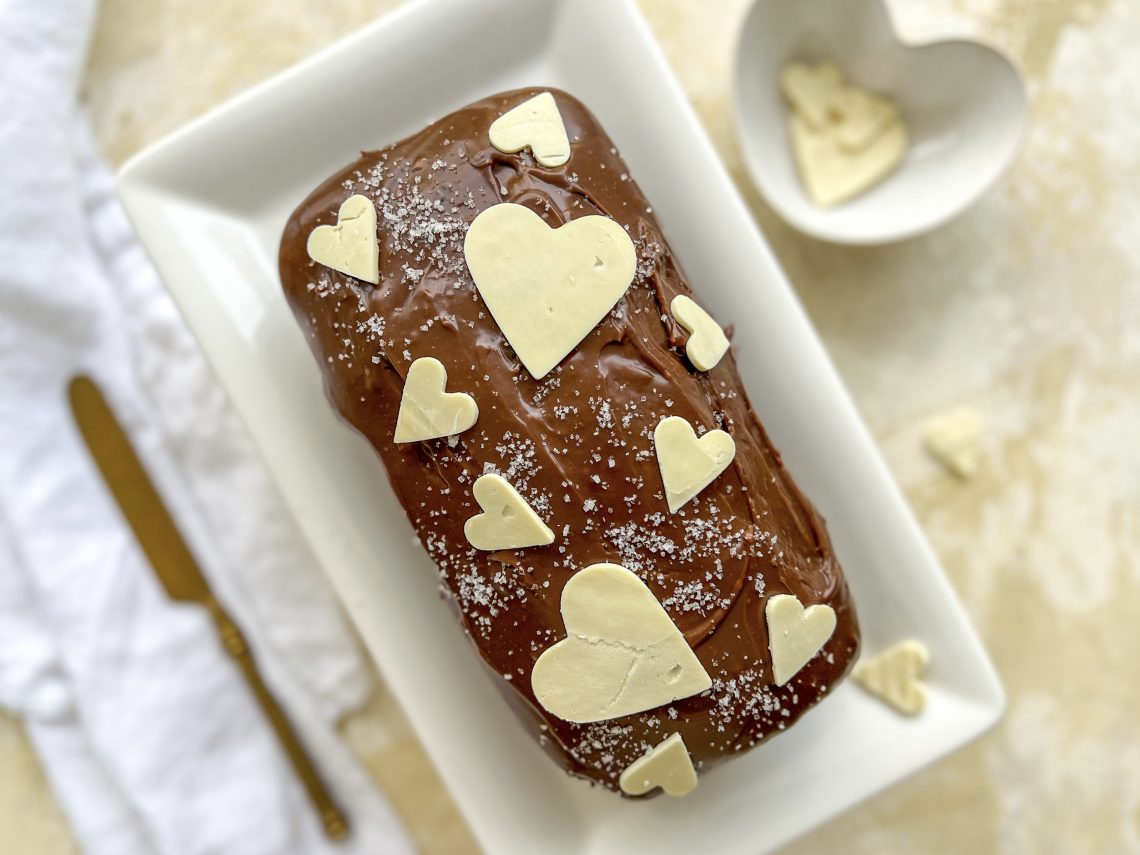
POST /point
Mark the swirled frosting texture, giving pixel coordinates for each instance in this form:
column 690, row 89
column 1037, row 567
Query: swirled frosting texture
column 576, row 444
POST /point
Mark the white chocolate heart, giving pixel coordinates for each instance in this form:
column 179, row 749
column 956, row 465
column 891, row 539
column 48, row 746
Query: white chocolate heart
column 535, row 124
column 547, row 288
column 707, row 342
column 689, row 464
column 892, row 676
column 351, row 246
column 622, row 653
column 809, row 89
column 667, row 765
column 861, row 116
column 507, row 521
column 426, row 410
column 795, row 634
column 951, row 438
column 831, row 173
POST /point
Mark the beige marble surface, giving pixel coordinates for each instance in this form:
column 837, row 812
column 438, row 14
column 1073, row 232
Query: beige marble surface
column 1026, row 309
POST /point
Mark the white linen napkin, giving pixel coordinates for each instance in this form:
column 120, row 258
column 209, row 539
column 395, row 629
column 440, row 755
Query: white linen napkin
column 147, row 731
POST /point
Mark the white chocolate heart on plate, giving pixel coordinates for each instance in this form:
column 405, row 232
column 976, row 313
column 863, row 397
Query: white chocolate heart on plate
column 547, row 288
column 893, row 676
column 535, row 124
column 795, row 634
column 667, row 765
column 689, row 464
column 351, row 246
column 427, row 411
column 707, row 342
column 507, row 521
column 833, row 173
column 622, row 654
column 809, row 89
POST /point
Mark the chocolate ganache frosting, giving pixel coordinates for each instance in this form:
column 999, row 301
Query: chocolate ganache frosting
column 577, row 444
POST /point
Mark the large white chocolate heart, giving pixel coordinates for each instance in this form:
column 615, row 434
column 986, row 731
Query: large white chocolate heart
column 622, row 653
column 426, row 410
column 689, row 464
column 535, row 124
column 547, row 288
column 892, row 676
column 833, row 173
column 507, row 521
column 666, row 765
column 707, row 342
column 351, row 246
column 795, row 634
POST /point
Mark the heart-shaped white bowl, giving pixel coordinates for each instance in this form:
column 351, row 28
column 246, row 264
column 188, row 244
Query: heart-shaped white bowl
column 964, row 103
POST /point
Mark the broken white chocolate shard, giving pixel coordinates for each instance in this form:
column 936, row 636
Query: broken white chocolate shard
column 831, row 173
column 351, row 246
column 622, row 653
column 795, row 634
column 666, row 765
column 952, row 439
column 507, row 521
column 535, row 124
column 707, row 342
column 427, row 411
column 861, row 116
column 547, row 288
column 809, row 89
column 689, row 464
column 893, row 676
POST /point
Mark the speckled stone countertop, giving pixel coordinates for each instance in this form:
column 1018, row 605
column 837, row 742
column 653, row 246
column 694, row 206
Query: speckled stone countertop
column 1026, row 309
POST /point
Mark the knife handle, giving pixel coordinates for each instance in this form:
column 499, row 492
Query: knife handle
column 333, row 819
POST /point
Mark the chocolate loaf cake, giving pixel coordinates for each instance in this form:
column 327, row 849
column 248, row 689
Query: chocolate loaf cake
column 496, row 310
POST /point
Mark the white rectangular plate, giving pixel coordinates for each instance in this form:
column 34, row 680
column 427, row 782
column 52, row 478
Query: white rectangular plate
column 210, row 203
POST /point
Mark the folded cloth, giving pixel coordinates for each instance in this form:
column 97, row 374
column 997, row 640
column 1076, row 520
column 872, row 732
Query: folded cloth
column 145, row 726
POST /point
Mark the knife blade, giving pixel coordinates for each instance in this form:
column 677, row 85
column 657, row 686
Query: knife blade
column 179, row 573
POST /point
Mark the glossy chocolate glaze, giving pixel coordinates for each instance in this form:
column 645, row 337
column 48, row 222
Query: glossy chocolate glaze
column 577, row 444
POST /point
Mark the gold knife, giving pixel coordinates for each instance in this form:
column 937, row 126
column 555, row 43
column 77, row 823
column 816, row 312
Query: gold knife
column 179, row 572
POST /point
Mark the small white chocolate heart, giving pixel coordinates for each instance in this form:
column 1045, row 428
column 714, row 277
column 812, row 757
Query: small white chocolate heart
column 666, row 765
column 831, row 173
column 861, row 116
column 688, row 464
column 507, row 521
column 547, row 288
column 707, row 342
column 426, row 410
column 351, row 246
column 535, row 124
column 809, row 89
column 952, row 437
column 795, row 634
column 892, row 676
column 622, row 653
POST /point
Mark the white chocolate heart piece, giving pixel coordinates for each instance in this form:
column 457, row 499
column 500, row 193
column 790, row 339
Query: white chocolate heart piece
column 622, row 653
column 547, row 288
column 892, row 676
column 507, row 521
column 426, row 410
column 666, row 765
column 535, row 124
column 707, row 342
column 861, row 116
column 951, row 438
column 351, row 246
column 795, row 634
column 688, row 464
column 809, row 89
column 833, row 174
